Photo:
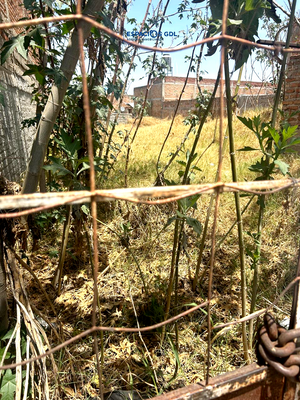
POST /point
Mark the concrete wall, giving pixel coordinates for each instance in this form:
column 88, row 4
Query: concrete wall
column 15, row 143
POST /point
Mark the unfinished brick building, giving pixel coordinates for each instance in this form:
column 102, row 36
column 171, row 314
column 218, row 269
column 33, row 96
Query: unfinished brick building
column 164, row 93
column 15, row 143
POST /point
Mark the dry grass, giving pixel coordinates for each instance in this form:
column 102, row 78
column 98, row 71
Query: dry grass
column 126, row 364
column 150, row 137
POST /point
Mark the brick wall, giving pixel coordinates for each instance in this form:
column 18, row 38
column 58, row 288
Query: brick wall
column 164, row 93
column 291, row 101
column 155, row 91
column 172, row 87
column 245, row 102
column 166, row 109
column 15, row 143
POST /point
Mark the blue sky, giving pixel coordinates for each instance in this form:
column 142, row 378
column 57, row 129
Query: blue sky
column 177, row 26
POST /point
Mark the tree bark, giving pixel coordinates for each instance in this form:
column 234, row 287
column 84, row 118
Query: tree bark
column 55, row 100
column 3, row 294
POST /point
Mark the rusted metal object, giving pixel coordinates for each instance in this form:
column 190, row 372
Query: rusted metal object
column 272, row 346
column 271, row 325
column 276, row 346
column 251, row 383
column 289, row 372
column 288, row 336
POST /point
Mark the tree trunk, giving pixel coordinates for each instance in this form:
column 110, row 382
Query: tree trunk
column 55, row 100
column 3, row 295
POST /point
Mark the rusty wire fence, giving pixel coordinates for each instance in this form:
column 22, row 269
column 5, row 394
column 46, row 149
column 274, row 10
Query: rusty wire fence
column 32, row 203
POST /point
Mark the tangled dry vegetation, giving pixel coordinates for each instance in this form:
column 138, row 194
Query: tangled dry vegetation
column 135, row 247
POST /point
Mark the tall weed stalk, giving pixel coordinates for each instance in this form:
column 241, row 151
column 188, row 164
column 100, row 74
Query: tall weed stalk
column 198, row 279
column 237, row 207
column 181, row 213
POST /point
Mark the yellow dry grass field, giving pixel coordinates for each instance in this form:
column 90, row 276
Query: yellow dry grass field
column 151, row 135
column 135, row 246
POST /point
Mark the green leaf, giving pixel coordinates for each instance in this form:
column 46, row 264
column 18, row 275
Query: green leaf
column 289, row 132
column 69, row 145
column 247, row 122
column 247, row 148
column 105, row 19
column 57, row 75
column 189, row 202
column 67, row 27
column 16, row 43
column 169, row 222
column 7, row 356
column 23, row 346
column 85, row 209
column 196, row 168
column 275, row 135
column 49, row 3
column 180, row 215
column 271, row 12
column 29, row 4
column 8, row 334
column 195, row 224
column 175, row 351
column 284, row 167
column 216, row 7
column 293, row 142
column 85, row 166
column 57, row 167
column 38, row 71
column 250, row 5
column 104, row 100
column 243, row 53
column 35, row 34
column 181, row 162
column 234, row 21
column 262, row 166
column 8, row 385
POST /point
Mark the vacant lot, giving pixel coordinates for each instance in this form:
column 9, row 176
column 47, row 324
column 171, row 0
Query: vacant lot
column 135, row 246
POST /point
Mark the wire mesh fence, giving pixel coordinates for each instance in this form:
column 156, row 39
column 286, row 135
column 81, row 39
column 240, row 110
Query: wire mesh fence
column 27, row 203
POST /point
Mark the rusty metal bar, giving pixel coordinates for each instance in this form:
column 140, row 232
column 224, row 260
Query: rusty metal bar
column 275, row 43
column 168, row 193
column 248, row 383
